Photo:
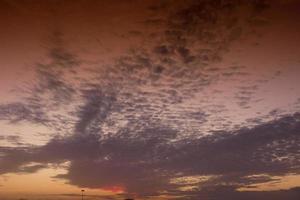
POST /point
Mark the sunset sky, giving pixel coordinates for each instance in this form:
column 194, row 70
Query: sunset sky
column 150, row 99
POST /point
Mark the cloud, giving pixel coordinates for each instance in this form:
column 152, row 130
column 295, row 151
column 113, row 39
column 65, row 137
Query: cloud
column 145, row 84
column 12, row 139
column 230, row 193
column 97, row 107
column 153, row 114
column 145, row 162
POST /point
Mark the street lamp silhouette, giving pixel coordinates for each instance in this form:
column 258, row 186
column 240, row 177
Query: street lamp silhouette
column 82, row 194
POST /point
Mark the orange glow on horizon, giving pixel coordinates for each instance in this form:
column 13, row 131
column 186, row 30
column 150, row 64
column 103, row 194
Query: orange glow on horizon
column 114, row 189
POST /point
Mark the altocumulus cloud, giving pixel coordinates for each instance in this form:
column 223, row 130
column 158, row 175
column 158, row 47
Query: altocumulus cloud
column 144, row 122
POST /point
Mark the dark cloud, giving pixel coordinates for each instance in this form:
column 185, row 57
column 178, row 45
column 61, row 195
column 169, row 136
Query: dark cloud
column 97, row 106
column 145, row 162
column 15, row 112
column 212, row 24
column 230, row 193
column 54, row 77
column 12, row 139
column 13, row 158
column 50, row 92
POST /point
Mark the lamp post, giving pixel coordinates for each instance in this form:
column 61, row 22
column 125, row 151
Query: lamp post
column 82, row 194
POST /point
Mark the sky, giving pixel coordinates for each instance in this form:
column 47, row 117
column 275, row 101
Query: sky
column 149, row 99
